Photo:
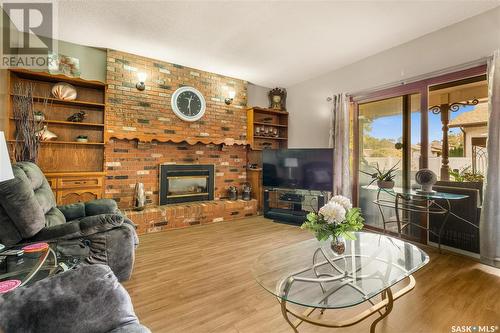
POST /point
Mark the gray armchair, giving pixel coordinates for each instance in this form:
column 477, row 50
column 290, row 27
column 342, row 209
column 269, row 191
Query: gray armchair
column 28, row 213
column 88, row 299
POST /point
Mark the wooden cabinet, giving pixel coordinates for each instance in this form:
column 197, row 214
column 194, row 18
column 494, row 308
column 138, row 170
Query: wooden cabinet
column 73, row 168
column 76, row 187
column 267, row 128
column 254, row 177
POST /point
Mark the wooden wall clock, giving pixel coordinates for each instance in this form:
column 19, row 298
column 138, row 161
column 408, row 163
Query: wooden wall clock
column 188, row 104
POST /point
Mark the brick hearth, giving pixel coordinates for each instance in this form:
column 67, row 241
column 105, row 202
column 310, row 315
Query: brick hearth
column 185, row 215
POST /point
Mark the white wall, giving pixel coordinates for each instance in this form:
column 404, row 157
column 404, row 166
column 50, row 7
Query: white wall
column 457, row 44
column 257, row 95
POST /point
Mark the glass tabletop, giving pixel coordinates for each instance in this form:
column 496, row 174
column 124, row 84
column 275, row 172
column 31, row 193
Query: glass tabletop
column 310, row 274
column 26, row 266
column 416, row 193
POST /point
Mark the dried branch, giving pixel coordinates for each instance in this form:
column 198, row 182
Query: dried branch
column 27, row 144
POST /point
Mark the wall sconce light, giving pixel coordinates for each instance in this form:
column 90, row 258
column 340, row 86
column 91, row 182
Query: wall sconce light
column 230, row 97
column 142, row 78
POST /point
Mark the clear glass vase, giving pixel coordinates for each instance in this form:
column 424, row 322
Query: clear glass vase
column 338, row 245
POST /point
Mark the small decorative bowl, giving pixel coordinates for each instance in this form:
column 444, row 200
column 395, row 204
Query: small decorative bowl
column 82, row 139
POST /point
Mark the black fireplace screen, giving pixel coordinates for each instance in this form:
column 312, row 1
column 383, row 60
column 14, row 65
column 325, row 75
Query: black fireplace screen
column 186, row 183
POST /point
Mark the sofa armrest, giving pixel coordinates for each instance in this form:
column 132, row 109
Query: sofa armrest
column 101, row 206
column 73, row 211
column 79, row 228
column 99, row 223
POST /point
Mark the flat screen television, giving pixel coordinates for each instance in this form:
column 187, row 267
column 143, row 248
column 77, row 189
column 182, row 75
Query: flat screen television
column 308, row 169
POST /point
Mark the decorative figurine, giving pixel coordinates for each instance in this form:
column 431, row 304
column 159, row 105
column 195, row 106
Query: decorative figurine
column 77, row 117
column 246, row 193
column 38, row 116
column 277, row 99
column 139, row 197
column 82, row 138
column 426, row 178
column 45, row 135
column 233, row 193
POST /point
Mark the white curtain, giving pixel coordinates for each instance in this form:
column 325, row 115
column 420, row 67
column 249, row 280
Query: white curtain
column 490, row 216
column 339, row 141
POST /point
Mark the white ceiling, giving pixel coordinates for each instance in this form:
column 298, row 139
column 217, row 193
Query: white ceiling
column 270, row 43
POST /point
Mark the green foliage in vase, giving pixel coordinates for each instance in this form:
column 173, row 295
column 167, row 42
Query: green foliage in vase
column 336, row 219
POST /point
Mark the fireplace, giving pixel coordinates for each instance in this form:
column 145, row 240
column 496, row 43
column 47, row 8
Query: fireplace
column 186, row 183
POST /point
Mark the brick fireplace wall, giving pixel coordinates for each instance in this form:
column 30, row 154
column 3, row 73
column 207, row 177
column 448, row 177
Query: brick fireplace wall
column 127, row 163
column 147, row 115
column 142, row 132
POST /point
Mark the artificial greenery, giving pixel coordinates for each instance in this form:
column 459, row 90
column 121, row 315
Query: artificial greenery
column 382, row 175
column 317, row 224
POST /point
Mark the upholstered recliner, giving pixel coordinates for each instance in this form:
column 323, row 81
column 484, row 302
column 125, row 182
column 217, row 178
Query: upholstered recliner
column 28, row 213
column 87, row 299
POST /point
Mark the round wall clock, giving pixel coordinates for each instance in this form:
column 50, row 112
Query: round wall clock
column 188, row 104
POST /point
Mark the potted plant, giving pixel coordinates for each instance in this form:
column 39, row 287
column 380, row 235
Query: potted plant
column 384, row 179
column 82, row 138
column 337, row 220
column 38, row 116
column 466, row 175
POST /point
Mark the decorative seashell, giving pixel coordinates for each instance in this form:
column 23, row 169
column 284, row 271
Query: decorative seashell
column 45, row 135
column 64, row 91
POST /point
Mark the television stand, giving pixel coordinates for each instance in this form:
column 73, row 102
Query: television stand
column 291, row 205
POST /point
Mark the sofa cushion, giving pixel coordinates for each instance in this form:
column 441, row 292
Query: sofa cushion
column 18, row 200
column 9, row 235
column 27, row 198
column 54, row 217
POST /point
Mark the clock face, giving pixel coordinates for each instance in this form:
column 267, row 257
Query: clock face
column 188, row 104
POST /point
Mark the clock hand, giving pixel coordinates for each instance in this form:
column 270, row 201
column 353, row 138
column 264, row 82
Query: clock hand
column 189, row 105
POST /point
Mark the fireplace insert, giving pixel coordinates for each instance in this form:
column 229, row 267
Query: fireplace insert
column 186, row 183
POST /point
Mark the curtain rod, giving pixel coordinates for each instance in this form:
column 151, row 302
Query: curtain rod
column 448, row 70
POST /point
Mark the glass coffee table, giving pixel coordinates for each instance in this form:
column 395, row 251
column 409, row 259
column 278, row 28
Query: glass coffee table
column 309, row 274
column 39, row 260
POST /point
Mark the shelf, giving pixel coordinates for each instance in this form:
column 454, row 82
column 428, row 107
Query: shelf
column 269, row 124
column 69, row 143
column 269, row 137
column 268, row 111
column 69, row 123
column 39, row 99
column 43, row 76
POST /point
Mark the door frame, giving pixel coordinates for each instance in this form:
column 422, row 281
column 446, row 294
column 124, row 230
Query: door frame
column 418, row 87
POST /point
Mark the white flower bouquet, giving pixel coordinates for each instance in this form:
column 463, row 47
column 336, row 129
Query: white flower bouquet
column 337, row 219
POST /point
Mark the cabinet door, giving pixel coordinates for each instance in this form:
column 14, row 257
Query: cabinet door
column 66, row 197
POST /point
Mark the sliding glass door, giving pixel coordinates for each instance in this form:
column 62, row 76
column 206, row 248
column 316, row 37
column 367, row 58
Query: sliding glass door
column 388, row 137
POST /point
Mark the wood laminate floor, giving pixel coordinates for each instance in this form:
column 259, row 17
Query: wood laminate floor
column 199, row 280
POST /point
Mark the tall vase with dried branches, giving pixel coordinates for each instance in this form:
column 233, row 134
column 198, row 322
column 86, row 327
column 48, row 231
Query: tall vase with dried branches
column 23, row 105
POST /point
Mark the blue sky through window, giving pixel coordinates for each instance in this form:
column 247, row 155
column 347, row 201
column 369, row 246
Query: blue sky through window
column 391, row 127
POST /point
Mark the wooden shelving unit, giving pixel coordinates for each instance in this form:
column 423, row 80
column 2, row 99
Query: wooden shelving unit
column 267, row 128
column 74, row 169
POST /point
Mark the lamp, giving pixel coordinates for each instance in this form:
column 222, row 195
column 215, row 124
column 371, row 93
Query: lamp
column 290, row 163
column 5, row 167
column 142, row 78
column 230, row 97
